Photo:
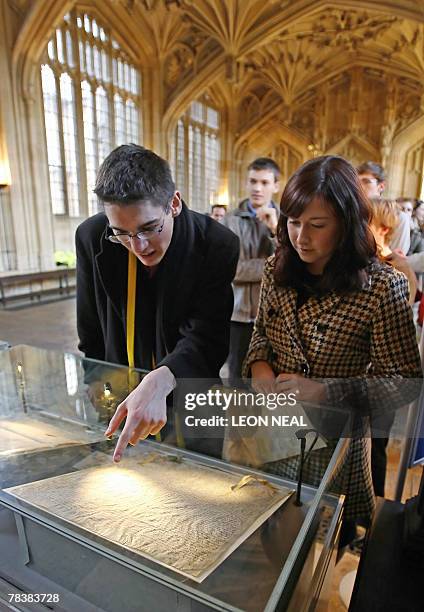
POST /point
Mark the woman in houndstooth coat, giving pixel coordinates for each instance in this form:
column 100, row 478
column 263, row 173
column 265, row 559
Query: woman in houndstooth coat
column 329, row 309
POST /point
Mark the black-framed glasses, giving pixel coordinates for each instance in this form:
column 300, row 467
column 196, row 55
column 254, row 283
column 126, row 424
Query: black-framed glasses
column 125, row 238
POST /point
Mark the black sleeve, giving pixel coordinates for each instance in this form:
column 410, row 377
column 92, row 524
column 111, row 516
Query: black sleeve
column 90, row 333
column 205, row 334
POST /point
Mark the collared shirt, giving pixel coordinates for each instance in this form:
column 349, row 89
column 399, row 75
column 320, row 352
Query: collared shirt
column 252, row 211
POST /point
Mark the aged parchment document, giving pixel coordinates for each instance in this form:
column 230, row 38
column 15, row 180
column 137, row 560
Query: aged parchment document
column 183, row 515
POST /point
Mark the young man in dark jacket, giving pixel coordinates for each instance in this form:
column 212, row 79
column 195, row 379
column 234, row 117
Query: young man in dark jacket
column 182, row 267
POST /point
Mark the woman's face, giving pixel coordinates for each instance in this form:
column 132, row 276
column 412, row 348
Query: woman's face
column 419, row 214
column 315, row 235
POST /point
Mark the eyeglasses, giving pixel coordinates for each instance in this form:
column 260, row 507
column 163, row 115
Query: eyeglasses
column 125, row 238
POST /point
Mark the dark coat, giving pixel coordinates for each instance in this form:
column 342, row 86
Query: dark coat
column 194, row 298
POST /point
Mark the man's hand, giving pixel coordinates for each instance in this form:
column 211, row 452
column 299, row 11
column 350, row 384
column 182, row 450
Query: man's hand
column 268, row 215
column 144, row 409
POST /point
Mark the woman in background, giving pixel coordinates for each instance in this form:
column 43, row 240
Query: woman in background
column 385, row 219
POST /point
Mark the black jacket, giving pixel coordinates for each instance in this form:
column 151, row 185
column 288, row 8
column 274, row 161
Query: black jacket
column 194, row 298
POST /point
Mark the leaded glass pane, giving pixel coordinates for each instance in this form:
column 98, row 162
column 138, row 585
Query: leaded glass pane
column 89, row 59
column 212, row 117
column 180, row 164
column 54, row 156
column 108, row 118
column 59, row 43
column 97, row 68
column 69, row 49
column 82, row 56
column 198, row 156
column 69, row 129
column 119, row 120
column 121, row 82
column 105, row 67
column 103, row 124
column 132, row 121
column 51, row 50
column 115, row 72
column 90, row 144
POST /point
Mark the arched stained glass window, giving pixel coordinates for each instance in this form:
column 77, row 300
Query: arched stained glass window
column 86, row 114
column 196, row 155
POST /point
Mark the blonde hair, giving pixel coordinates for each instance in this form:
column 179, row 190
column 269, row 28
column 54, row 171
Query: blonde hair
column 385, row 213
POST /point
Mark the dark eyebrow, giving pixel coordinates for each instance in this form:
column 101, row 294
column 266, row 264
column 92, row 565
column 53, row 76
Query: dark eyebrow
column 140, row 227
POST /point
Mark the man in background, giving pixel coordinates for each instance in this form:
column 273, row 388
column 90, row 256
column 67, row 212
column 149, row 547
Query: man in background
column 218, row 212
column 255, row 223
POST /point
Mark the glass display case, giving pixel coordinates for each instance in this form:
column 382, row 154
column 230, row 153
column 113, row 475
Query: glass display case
column 74, row 526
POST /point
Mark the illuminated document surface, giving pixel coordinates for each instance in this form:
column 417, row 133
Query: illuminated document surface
column 183, row 515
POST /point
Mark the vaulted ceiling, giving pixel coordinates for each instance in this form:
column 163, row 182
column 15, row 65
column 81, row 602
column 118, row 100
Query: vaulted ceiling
column 321, row 75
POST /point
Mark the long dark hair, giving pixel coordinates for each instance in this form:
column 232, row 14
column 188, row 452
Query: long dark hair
column 335, row 181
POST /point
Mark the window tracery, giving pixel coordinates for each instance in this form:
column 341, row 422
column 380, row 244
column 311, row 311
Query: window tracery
column 91, row 94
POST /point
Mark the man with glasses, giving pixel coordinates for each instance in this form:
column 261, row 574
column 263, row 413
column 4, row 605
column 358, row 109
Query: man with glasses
column 153, row 286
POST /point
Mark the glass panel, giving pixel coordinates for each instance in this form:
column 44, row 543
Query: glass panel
column 105, row 66
column 190, row 164
column 127, row 78
column 90, row 146
column 82, row 56
column 69, row 49
column 211, row 168
column 63, row 403
column 97, row 68
column 70, row 143
column 180, row 170
column 51, row 50
column 54, row 155
column 59, row 42
column 196, row 111
column 115, row 71
column 197, row 199
column 119, row 120
column 89, row 59
column 121, row 83
column 134, row 80
column 103, row 123
column 212, row 117
column 95, row 29
column 132, row 122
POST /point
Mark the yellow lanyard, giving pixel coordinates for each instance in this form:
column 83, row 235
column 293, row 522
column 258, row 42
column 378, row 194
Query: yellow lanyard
column 131, row 293
column 132, row 282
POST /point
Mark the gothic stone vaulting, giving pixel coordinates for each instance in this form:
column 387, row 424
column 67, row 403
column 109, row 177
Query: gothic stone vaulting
column 289, row 79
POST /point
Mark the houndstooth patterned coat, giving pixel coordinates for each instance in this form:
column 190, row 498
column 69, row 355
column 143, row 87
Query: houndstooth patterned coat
column 369, row 332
